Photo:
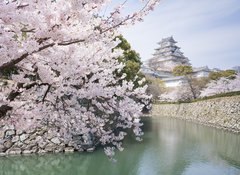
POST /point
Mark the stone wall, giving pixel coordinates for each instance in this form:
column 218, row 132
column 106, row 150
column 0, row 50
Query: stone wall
column 222, row 112
column 40, row 140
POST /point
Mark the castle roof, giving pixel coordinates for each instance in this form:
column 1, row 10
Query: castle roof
column 174, row 78
column 167, row 40
column 199, row 69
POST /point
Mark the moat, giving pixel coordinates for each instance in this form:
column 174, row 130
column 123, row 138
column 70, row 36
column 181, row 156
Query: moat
column 170, row 147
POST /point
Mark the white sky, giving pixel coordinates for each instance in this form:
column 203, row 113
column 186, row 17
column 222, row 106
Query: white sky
column 208, row 31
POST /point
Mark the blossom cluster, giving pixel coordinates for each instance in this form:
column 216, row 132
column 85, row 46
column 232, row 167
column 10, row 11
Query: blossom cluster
column 66, row 63
column 223, row 85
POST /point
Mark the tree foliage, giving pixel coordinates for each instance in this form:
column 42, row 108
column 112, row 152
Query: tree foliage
column 132, row 61
column 182, row 70
column 179, row 94
column 66, row 79
column 230, row 74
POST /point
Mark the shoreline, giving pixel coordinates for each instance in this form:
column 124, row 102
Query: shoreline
column 222, row 113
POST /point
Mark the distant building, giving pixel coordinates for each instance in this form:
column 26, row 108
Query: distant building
column 216, row 70
column 201, row 72
column 174, row 81
column 166, row 57
column 150, row 71
column 237, row 69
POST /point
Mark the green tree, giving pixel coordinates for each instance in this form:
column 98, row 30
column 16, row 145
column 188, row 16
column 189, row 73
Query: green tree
column 226, row 73
column 182, row 70
column 132, row 61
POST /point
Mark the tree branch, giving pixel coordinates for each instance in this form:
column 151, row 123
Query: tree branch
column 25, row 55
column 45, row 94
column 13, row 62
column 65, row 43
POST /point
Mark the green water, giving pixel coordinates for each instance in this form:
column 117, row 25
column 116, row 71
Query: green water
column 170, row 147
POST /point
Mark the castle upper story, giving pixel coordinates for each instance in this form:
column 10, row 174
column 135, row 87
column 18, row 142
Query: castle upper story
column 167, row 56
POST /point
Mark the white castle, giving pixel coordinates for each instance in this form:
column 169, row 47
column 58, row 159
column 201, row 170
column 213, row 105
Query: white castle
column 166, row 57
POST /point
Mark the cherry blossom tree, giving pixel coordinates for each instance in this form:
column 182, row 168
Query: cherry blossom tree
column 182, row 93
column 63, row 52
column 223, row 85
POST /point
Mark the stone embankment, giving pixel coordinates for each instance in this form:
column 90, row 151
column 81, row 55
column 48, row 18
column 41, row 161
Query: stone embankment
column 221, row 112
column 39, row 140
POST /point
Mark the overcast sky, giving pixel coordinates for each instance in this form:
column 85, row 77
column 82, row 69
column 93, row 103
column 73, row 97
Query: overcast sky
column 208, row 31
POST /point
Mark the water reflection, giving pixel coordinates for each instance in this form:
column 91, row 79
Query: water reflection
column 182, row 145
column 170, row 147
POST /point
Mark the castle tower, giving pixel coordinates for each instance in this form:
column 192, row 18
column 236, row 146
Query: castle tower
column 167, row 56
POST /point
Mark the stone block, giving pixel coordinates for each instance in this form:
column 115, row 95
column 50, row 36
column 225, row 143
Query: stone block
column 42, row 144
column 41, row 151
column 14, row 151
column 23, row 137
column 2, row 148
column 7, row 144
column 2, row 134
column 27, row 152
column 56, row 140
column 69, row 149
column 15, row 139
column 9, row 133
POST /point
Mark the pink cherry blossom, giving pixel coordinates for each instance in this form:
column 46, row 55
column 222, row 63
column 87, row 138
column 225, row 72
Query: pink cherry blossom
column 66, row 69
